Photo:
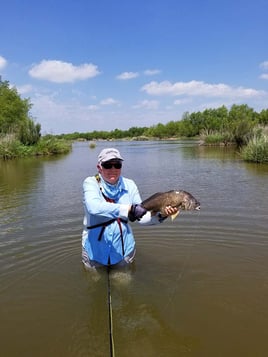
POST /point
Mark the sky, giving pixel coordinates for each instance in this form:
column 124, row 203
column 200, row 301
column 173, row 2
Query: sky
column 90, row 65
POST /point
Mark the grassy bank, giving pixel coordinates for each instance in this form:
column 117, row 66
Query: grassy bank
column 253, row 144
column 11, row 148
column 256, row 150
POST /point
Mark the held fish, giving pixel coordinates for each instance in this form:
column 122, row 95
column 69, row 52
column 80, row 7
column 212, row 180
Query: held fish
column 181, row 199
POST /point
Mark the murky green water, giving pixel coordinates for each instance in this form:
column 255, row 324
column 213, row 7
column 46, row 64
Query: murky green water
column 199, row 286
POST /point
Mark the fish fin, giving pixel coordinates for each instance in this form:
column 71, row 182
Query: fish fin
column 173, row 216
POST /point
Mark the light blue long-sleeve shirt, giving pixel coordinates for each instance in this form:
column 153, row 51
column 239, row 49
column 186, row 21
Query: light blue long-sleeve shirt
column 108, row 248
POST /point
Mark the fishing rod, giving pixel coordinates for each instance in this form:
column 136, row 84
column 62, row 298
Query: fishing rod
column 110, row 313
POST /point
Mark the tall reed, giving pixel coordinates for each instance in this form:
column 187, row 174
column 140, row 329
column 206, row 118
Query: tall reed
column 257, row 149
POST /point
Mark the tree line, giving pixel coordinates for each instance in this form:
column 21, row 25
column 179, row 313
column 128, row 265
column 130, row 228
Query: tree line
column 233, row 125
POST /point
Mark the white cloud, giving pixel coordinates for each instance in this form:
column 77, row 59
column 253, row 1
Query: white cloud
column 264, row 65
column 63, row 72
column 198, row 88
column 151, row 72
column 93, row 107
column 182, row 101
column 127, row 75
column 3, row 62
column 264, row 76
column 24, row 89
column 147, row 104
column 58, row 116
column 109, row 101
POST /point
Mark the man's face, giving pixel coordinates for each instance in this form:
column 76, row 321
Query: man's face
column 110, row 170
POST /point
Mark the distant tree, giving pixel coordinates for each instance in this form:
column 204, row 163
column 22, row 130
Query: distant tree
column 189, row 126
column 214, row 119
column 173, row 129
column 13, row 110
column 14, row 115
column 263, row 117
column 241, row 112
column 135, row 131
column 117, row 134
column 157, row 131
column 242, row 120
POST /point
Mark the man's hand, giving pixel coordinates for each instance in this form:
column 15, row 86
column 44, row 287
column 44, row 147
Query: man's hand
column 169, row 210
column 136, row 212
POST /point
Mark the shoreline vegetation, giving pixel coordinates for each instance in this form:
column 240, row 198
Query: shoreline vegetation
column 238, row 126
column 11, row 147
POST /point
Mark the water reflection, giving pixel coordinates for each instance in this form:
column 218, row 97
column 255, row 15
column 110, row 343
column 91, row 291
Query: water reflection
column 257, row 169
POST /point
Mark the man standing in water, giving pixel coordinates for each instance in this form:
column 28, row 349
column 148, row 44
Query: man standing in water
column 110, row 200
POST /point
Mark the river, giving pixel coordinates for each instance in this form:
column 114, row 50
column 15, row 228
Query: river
column 199, row 285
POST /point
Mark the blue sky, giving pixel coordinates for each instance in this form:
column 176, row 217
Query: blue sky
column 105, row 64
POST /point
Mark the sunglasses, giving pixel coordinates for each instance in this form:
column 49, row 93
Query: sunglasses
column 109, row 165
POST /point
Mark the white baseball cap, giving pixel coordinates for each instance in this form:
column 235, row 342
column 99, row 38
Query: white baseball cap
column 109, row 154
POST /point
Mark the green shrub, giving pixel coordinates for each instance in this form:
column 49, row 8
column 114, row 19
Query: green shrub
column 256, row 150
column 215, row 138
column 52, row 146
column 11, row 148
